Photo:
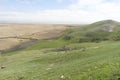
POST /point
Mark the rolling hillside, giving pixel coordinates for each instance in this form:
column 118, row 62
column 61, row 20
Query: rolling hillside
column 106, row 25
column 66, row 58
column 84, row 61
column 95, row 32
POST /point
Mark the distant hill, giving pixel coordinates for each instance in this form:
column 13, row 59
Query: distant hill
column 106, row 25
column 98, row 31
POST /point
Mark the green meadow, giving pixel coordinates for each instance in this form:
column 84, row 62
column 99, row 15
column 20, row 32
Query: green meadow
column 75, row 55
column 98, row 61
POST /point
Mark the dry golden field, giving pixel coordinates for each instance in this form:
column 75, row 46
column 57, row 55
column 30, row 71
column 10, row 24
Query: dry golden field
column 15, row 34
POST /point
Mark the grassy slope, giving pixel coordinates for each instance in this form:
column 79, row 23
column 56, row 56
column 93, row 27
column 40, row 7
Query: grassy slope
column 87, row 61
column 94, row 32
column 99, row 61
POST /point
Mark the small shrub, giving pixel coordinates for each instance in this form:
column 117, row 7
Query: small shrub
column 67, row 37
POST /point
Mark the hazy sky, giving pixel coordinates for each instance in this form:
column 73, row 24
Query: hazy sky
column 59, row 11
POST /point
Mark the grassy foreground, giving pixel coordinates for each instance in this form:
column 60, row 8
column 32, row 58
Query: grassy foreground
column 42, row 61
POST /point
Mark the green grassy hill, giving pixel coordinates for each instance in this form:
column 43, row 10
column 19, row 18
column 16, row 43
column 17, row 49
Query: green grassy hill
column 105, row 25
column 64, row 58
column 95, row 32
column 84, row 61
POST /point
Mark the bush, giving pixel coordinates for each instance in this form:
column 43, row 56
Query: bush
column 115, row 36
column 97, row 36
column 85, row 39
column 67, row 37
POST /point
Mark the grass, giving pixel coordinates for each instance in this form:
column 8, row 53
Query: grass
column 99, row 61
column 65, row 58
column 42, row 44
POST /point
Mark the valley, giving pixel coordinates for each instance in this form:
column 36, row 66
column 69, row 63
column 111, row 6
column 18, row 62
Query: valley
column 89, row 52
column 12, row 35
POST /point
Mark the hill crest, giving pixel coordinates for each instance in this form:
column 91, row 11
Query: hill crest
column 105, row 25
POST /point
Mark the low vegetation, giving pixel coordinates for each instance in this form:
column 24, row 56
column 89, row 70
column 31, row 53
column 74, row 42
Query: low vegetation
column 76, row 55
column 97, row 32
column 82, row 61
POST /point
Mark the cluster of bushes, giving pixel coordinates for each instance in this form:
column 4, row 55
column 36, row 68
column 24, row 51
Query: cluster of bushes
column 96, row 36
column 115, row 36
column 91, row 36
